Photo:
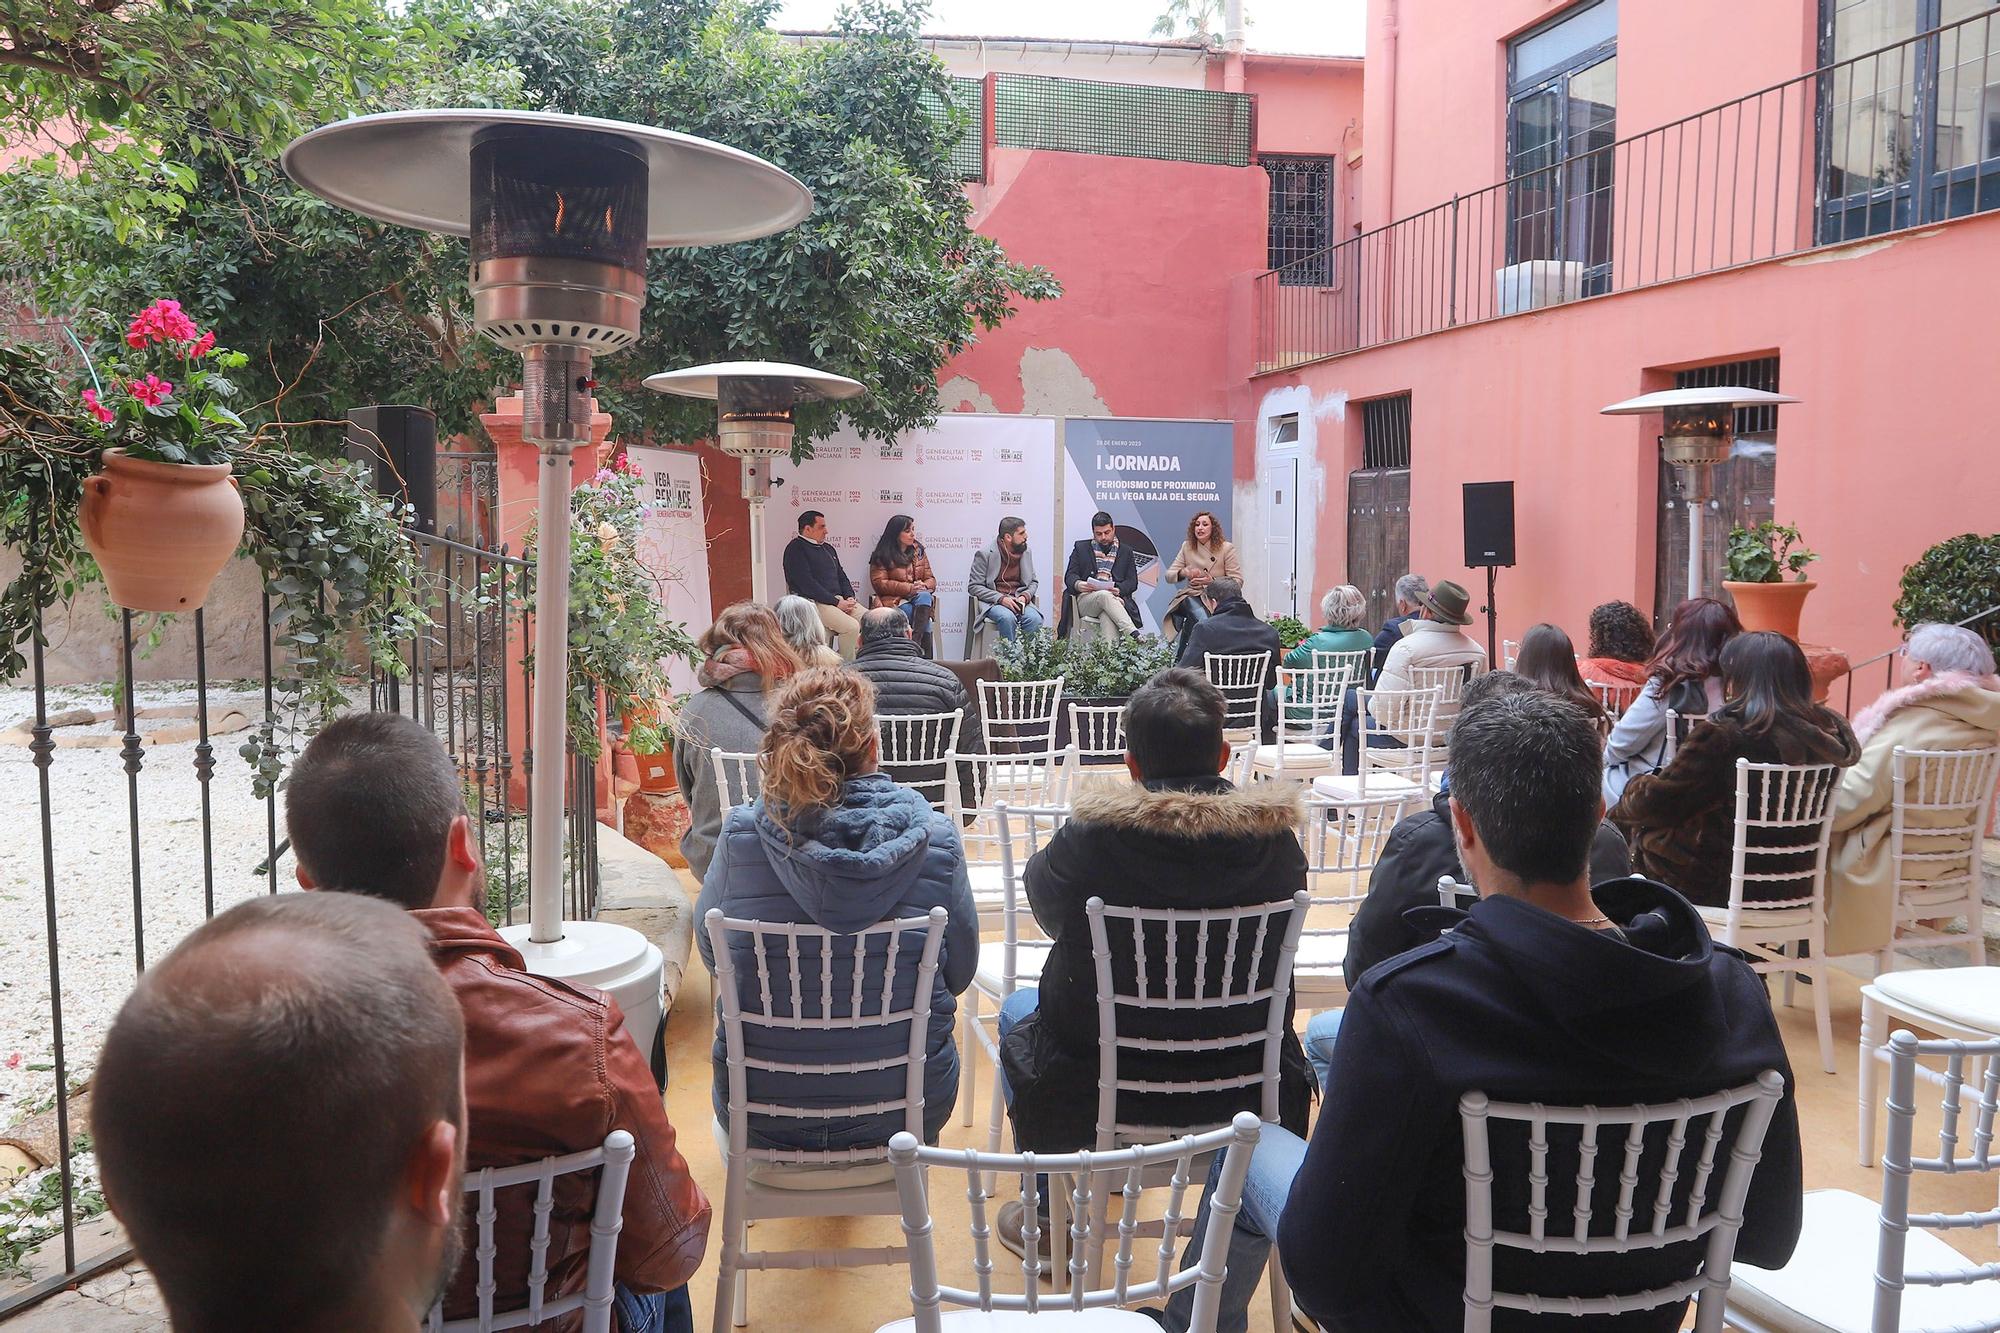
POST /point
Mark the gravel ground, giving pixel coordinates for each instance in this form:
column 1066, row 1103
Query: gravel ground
column 93, row 874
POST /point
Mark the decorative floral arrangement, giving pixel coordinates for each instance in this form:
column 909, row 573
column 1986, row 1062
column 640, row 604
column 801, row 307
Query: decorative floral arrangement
column 1095, row 670
column 1291, row 631
column 168, row 396
column 620, row 636
column 1765, row 553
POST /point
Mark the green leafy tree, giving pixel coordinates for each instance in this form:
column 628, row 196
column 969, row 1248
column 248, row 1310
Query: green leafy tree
column 1193, row 21
column 1953, row 582
column 885, row 282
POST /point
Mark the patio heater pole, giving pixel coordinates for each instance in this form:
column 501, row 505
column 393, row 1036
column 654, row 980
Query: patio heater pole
column 1700, row 432
column 760, row 574
column 549, row 705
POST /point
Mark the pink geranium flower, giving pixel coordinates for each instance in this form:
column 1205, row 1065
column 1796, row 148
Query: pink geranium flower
column 204, row 345
column 97, row 409
column 151, row 391
column 161, row 322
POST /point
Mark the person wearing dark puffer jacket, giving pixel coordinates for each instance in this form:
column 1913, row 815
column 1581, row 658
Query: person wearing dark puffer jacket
column 907, row 683
column 835, row 843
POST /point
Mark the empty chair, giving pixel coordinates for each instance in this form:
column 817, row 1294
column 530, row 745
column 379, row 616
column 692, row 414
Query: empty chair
column 798, row 1004
column 1937, row 830
column 1777, row 878
column 1243, row 679
column 1342, row 841
column 1409, row 769
column 737, row 778
column 1097, row 732
column 613, row 1160
column 1957, row 1002
column 1019, row 716
column 1097, row 1180
column 915, row 748
column 1854, row 1257
column 1312, row 702
column 1670, row 1174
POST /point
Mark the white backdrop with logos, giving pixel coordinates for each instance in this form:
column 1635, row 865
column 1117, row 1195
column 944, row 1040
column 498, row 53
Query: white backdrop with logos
column 957, row 480
column 672, row 541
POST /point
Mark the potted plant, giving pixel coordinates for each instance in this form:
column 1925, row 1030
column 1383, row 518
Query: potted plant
column 1291, row 632
column 1758, row 560
column 1952, row 583
column 1098, row 673
column 162, row 516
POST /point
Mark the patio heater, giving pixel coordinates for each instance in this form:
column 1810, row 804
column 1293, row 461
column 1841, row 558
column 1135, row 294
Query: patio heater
column 1700, row 431
column 754, row 402
column 559, row 211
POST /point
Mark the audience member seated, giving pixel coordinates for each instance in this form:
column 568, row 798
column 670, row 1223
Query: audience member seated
column 1101, row 580
column 813, row 571
column 375, row 807
column 899, row 575
column 1180, row 836
column 906, row 682
column 1002, row 581
column 834, row 843
column 1681, row 820
column 1205, row 555
column 744, row 655
column 1341, row 611
column 1951, row 702
column 1621, row 643
column 804, row 631
column 1433, row 637
column 277, row 1119
column 1411, row 589
column 1543, row 992
column 1232, row 627
column 1399, row 911
column 1547, row 661
column 1683, row 676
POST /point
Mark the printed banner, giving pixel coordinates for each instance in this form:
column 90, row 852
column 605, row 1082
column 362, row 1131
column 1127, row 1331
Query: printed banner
column 1152, row 477
column 957, row 480
column 672, row 541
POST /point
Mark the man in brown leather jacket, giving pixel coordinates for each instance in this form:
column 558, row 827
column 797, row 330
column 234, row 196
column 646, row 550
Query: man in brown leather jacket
column 375, row 806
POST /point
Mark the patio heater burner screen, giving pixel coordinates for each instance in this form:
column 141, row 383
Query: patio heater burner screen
column 558, row 237
column 756, row 417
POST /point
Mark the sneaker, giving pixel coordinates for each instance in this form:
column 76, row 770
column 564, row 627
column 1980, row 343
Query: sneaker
column 1007, row 1226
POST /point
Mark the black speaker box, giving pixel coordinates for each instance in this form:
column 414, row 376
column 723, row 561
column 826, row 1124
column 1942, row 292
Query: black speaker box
column 1489, row 523
column 400, row 444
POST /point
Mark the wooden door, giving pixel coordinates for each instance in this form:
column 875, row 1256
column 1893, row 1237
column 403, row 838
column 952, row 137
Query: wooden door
column 1378, row 537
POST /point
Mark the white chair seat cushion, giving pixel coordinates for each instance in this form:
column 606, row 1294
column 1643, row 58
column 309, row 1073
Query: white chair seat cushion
column 1829, row 1286
column 1292, row 754
column 988, row 879
column 1108, row 1319
column 784, row 1176
column 1321, row 951
column 1969, row 996
column 1341, row 787
column 1029, row 958
column 1765, row 918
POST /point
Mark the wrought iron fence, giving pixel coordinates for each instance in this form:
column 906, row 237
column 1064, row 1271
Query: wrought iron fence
column 1901, row 137
column 453, row 677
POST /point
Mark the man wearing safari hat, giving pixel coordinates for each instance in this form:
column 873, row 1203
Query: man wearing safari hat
column 1434, row 638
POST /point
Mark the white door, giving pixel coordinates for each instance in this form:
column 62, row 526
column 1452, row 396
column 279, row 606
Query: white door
column 1281, row 543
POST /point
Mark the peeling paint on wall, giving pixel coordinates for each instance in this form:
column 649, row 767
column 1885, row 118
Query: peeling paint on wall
column 1847, row 252
column 961, row 393
column 1053, row 385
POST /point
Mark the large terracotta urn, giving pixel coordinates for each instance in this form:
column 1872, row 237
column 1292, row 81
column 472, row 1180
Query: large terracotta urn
column 161, row 532
column 1771, row 606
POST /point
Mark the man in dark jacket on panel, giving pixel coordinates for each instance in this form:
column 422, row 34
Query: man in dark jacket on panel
column 1101, row 579
column 375, row 806
column 1546, row 991
column 813, row 571
column 906, row 682
column 1180, row 836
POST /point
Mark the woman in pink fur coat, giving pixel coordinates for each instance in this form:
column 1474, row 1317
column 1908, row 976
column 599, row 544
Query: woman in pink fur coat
column 1951, row 701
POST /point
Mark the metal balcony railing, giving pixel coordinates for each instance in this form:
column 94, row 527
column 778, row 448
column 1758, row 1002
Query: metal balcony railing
column 1901, row 137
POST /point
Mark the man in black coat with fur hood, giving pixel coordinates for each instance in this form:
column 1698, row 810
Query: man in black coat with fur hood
column 1180, row 836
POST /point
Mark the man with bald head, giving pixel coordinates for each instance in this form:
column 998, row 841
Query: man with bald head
column 279, row 1118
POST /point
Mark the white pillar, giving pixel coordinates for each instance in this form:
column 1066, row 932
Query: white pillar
column 548, row 710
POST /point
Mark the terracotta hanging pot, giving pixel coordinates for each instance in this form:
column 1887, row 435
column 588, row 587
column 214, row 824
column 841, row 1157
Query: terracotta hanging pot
column 161, row 532
column 1771, row 606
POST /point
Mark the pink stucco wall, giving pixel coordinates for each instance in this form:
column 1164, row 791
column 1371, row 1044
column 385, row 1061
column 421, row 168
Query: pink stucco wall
column 1887, row 453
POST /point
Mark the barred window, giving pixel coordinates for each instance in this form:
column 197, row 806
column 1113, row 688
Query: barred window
column 1301, row 219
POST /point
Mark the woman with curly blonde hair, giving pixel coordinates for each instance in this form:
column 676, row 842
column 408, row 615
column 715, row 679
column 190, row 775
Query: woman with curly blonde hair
column 836, row 843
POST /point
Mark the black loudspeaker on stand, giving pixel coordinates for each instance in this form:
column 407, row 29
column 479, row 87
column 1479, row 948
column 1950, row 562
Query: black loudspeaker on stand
column 400, row 445
column 1489, row 543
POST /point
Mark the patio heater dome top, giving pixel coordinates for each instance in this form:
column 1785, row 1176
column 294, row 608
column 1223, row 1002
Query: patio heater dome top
column 706, row 381
column 1716, row 396
column 414, row 168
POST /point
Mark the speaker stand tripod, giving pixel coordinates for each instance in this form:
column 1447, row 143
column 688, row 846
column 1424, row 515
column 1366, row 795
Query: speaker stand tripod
column 1492, row 622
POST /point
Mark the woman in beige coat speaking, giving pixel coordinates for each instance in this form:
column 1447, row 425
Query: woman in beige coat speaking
column 1203, row 556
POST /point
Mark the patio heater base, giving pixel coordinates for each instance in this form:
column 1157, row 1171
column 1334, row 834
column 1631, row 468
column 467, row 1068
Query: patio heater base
column 616, row 959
